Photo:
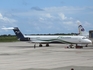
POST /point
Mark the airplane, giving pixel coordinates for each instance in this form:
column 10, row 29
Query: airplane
column 50, row 39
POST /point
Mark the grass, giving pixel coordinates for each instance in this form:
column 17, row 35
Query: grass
column 8, row 38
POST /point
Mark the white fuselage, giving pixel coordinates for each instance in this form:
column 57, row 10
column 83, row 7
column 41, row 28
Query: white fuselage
column 60, row 39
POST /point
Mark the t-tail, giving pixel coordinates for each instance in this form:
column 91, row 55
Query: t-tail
column 19, row 35
column 81, row 30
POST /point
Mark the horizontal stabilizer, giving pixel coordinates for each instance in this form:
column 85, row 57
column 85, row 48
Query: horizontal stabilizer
column 9, row 28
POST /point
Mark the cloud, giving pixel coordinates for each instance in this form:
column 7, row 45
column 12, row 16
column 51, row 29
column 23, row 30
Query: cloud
column 49, row 19
column 5, row 19
column 53, row 10
column 37, row 9
column 62, row 16
column 68, row 22
column 65, row 9
column 62, row 2
column 24, row 2
column 6, row 22
column 48, row 15
column 78, row 22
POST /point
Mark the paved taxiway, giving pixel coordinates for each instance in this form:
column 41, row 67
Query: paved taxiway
column 22, row 56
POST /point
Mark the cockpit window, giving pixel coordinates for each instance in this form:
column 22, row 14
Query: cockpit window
column 84, row 38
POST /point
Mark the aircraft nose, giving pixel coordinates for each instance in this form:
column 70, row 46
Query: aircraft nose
column 89, row 41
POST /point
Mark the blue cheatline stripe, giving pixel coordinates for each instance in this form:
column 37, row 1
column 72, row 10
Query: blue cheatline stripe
column 56, row 40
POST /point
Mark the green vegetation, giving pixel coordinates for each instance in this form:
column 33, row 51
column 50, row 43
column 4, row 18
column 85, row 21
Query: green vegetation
column 8, row 38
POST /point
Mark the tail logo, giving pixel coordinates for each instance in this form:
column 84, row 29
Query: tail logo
column 17, row 32
column 81, row 28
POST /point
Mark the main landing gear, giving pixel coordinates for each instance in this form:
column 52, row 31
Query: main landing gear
column 86, row 45
column 40, row 45
column 47, row 45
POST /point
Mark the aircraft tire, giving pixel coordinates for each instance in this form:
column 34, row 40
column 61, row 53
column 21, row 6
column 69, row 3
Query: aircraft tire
column 40, row 45
column 47, row 45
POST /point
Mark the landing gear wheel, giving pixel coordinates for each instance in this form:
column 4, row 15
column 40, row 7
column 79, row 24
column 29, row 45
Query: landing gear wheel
column 47, row 45
column 40, row 45
column 86, row 45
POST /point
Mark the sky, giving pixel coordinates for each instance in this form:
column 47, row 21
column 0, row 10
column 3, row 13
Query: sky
column 46, row 16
